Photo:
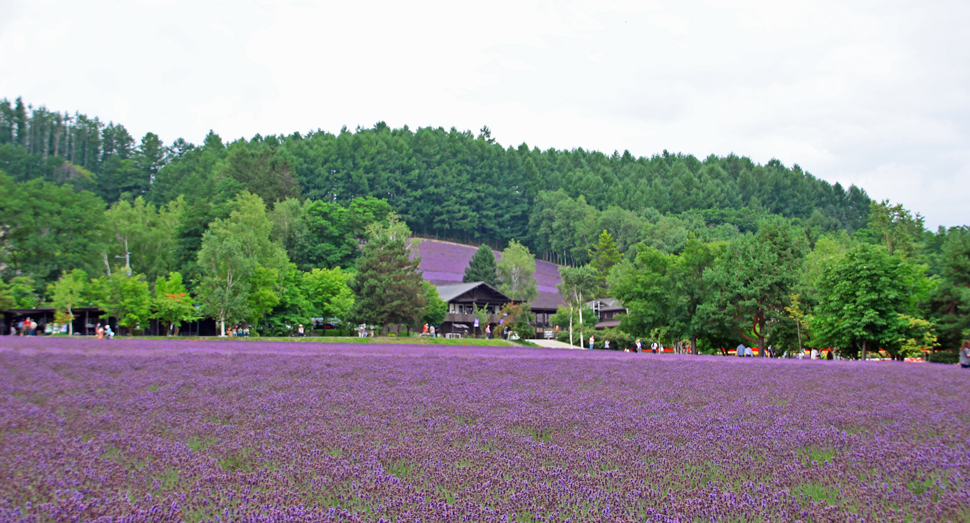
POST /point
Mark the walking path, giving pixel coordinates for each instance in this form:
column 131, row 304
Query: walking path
column 553, row 344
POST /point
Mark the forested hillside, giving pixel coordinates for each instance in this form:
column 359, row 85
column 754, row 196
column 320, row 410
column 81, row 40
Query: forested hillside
column 443, row 183
column 269, row 231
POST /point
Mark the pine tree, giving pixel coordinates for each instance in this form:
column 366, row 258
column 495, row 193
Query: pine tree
column 388, row 285
column 603, row 256
column 481, row 267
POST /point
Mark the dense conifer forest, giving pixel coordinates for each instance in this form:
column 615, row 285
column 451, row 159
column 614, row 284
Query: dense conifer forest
column 443, row 183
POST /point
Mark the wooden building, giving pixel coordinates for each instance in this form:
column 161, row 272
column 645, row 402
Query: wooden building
column 608, row 311
column 462, row 298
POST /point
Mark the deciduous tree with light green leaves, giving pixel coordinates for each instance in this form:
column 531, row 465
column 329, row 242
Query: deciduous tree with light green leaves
column 22, row 290
column 145, row 233
column 240, row 263
column 577, row 287
column 173, row 304
column 224, row 288
column 867, row 299
column 125, row 298
column 66, row 294
column 515, row 272
column 7, row 300
column 435, row 309
column 328, row 292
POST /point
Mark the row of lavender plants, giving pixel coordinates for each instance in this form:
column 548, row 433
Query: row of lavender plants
column 159, row 430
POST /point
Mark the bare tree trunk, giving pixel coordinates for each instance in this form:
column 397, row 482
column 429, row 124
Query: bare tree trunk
column 582, row 332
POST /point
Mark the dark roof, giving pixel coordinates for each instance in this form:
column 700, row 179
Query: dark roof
column 607, row 324
column 450, row 292
column 447, row 291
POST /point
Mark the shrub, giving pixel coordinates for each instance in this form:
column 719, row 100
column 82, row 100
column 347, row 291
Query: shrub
column 619, row 340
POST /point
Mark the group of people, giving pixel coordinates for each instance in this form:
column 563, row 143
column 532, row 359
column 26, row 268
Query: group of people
column 429, row 330
column 104, row 332
column 237, row 331
column 28, row 327
column 363, row 330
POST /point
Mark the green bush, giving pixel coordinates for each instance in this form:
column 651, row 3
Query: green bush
column 563, row 336
column 619, row 340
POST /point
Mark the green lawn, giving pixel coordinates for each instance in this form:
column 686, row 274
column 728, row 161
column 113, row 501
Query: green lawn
column 350, row 339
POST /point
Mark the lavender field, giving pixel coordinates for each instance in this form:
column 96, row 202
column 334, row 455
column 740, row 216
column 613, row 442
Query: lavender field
column 444, row 262
column 149, row 430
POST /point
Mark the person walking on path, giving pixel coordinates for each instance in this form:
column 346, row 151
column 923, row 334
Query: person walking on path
column 592, row 340
column 741, row 350
column 488, row 331
column 965, row 355
column 639, row 346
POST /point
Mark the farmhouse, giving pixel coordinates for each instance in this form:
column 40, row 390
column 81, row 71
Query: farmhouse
column 462, row 298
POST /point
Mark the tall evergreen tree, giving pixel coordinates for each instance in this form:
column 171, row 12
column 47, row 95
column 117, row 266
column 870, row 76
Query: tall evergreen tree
column 481, row 267
column 388, row 285
column 602, row 257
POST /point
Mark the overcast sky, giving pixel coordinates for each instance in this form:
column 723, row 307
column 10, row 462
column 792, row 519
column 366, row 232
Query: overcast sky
column 872, row 93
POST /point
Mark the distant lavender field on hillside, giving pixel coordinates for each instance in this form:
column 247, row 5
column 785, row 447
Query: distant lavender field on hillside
column 445, row 263
column 165, row 430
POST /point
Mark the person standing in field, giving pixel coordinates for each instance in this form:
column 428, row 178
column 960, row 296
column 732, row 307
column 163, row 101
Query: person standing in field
column 592, row 340
column 606, row 344
column 488, row 331
column 741, row 350
column 639, row 346
column 965, row 355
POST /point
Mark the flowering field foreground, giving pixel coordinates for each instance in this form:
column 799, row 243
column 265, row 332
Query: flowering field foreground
column 157, row 430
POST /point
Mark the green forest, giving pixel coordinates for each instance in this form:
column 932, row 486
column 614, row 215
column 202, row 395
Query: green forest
column 78, row 194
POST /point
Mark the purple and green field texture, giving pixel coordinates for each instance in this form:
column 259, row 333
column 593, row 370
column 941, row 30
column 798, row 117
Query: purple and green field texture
column 160, row 430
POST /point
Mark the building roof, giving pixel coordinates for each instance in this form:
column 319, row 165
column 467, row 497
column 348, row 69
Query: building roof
column 450, row 292
column 607, row 324
column 607, row 304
